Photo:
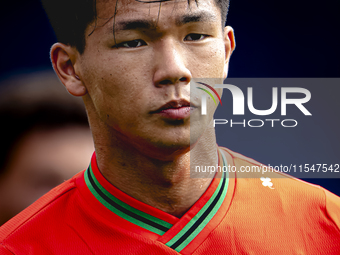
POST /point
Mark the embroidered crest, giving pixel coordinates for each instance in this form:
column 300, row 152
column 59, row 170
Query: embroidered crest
column 267, row 182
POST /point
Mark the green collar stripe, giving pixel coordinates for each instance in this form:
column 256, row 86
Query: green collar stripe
column 204, row 223
column 195, row 218
column 122, row 209
column 202, row 218
column 153, row 224
column 128, row 207
column 123, row 215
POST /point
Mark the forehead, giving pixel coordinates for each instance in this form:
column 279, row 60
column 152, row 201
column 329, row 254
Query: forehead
column 165, row 12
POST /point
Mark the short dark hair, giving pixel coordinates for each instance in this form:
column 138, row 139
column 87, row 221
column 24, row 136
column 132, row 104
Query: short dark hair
column 35, row 101
column 70, row 18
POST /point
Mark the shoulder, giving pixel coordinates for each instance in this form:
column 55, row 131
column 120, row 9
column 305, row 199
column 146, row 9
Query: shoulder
column 41, row 212
column 284, row 193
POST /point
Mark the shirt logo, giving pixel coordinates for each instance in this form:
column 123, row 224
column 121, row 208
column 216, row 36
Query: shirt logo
column 267, row 182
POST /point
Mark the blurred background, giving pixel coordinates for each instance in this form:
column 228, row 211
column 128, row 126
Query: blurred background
column 274, row 39
column 297, row 39
column 45, row 139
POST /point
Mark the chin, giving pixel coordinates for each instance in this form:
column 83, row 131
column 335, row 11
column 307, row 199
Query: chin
column 176, row 144
column 164, row 148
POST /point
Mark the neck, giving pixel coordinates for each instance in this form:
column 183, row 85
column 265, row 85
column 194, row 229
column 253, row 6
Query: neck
column 163, row 184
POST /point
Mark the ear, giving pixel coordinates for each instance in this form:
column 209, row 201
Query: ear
column 63, row 58
column 229, row 42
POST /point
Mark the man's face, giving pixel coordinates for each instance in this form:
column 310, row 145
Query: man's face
column 138, row 76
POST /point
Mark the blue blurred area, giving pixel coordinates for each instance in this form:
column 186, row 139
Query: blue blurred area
column 26, row 37
column 274, row 39
column 289, row 39
column 285, row 39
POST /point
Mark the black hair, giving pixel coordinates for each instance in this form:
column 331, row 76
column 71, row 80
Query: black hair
column 70, row 18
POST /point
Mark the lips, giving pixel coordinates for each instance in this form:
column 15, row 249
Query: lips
column 176, row 109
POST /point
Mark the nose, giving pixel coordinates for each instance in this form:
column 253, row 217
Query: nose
column 171, row 67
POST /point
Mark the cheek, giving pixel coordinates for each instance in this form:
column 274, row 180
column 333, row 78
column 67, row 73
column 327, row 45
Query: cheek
column 210, row 63
column 217, row 60
column 103, row 90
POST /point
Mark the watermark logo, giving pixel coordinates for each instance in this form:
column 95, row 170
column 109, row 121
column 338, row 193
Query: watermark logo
column 281, row 98
column 204, row 97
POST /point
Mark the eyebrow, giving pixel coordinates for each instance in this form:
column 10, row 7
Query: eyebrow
column 135, row 24
column 195, row 17
column 202, row 16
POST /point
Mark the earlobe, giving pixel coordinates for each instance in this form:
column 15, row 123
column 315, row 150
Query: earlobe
column 230, row 44
column 63, row 59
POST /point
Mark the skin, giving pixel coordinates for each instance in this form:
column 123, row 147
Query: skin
column 42, row 160
column 144, row 154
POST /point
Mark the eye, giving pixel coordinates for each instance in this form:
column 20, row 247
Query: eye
column 195, row 37
column 132, row 44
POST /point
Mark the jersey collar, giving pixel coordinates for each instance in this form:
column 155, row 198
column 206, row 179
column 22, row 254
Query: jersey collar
column 176, row 233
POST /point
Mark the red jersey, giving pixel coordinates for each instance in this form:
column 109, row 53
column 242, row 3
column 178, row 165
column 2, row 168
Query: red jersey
column 265, row 214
